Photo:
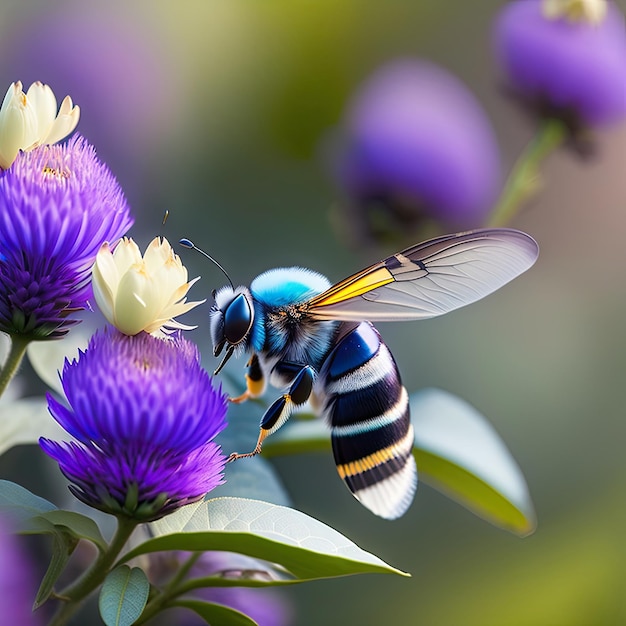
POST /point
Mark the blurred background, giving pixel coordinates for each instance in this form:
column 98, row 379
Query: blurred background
column 223, row 114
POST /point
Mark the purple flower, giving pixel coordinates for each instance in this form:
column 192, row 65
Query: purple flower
column 136, row 83
column 58, row 204
column 418, row 143
column 143, row 413
column 17, row 581
column 566, row 67
column 267, row 607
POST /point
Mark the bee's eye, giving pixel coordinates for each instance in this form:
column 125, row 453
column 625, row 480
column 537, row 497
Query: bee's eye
column 237, row 320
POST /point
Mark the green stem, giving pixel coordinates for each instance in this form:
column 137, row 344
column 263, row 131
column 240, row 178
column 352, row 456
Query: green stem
column 171, row 590
column 19, row 343
column 74, row 595
column 525, row 179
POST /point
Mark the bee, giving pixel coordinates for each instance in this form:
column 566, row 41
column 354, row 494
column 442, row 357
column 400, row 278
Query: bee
column 317, row 342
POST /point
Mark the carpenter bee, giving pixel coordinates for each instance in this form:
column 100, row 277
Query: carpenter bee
column 317, row 342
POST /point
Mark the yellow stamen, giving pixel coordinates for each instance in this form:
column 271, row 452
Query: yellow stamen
column 590, row 11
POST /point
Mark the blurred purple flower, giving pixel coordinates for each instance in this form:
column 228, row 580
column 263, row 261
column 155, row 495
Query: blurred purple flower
column 17, row 581
column 117, row 65
column 58, row 204
column 267, row 607
column 143, row 413
column 418, row 143
column 565, row 67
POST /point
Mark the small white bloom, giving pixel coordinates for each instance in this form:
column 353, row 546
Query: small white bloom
column 138, row 293
column 30, row 119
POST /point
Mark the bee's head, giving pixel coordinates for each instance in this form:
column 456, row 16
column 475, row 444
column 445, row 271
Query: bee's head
column 231, row 320
column 231, row 316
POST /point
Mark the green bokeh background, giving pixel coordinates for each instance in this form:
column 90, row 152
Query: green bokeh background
column 222, row 112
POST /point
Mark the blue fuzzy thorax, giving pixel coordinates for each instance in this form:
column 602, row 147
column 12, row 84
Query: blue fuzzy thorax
column 277, row 330
column 287, row 285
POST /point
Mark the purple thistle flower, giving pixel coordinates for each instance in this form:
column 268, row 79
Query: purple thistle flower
column 418, row 143
column 572, row 69
column 58, row 204
column 143, row 413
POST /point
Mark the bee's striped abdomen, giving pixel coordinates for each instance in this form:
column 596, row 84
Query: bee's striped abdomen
column 368, row 410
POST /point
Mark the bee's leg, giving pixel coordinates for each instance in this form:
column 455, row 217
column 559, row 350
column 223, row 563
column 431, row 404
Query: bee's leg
column 280, row 410
column 255, row 381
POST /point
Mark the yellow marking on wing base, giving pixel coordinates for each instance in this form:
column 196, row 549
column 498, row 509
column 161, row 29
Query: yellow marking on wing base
column 362, row 285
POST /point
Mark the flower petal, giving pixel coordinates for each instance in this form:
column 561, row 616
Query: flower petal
column 65, row 122
column 44, row 104
column 11, row 136
column 105, row 279
column 126, row 254
column 134, row 303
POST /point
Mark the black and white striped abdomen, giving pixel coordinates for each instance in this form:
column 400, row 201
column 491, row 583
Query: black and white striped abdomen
column 367, row 408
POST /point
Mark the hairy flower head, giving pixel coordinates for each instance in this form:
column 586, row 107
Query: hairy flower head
column 143, row 414
column 58, row 204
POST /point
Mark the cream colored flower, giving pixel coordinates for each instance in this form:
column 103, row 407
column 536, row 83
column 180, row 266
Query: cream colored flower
column 30, row 119
column 590, row 11
column 138, row 293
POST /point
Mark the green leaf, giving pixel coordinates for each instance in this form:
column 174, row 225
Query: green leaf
column 24, row 421
column 304, row 546
column 34, row 515
column 67, row 528
column 64, row 544
column 62, row 548
column 19, row 504
column 178, row 521
column 47, row 357
column 216, row 613
column 78, row 525
column 123, row 596
column 459, row 453
column 255, row 479
column 298, row 437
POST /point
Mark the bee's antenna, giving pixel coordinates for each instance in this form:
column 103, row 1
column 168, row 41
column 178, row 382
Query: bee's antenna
column 166, row 214
column 187, row 243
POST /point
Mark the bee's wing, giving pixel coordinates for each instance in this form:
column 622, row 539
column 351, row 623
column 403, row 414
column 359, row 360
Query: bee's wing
column 429, row 279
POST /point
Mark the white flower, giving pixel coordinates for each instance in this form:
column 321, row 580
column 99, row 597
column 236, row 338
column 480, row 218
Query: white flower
column 142, row 294
column 30, row 119
column 590, row 11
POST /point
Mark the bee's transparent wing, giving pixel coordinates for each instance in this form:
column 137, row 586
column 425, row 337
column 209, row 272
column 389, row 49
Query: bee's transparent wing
column 429, row 279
